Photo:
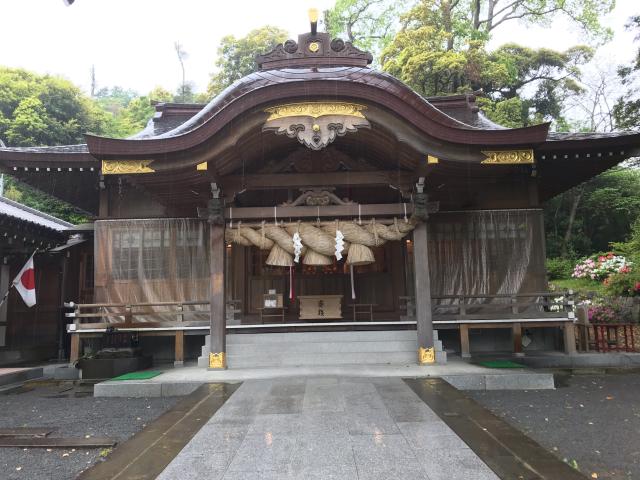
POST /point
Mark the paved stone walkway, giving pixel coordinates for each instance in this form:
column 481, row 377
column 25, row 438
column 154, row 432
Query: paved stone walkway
column 326, row 428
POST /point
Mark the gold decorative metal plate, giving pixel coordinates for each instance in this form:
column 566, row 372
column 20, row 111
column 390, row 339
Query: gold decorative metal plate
column 217, row 360
column 315, row 110
column 314, row 47
column 202, row 166
column 509, row 157
column 126, row 167
column 426, row 355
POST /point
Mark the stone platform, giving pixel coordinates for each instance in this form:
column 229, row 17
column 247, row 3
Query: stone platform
column 459, row 373
column 10, row 376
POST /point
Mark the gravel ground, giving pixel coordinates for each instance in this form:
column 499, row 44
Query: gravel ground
column 74, row 412
column 593, row 420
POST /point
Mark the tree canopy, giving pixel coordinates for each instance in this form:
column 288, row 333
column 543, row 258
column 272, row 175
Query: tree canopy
column 237, row 56
column 369, row 24
column 627, row 108
column 441, row 49
column 589, row 217
column 129, row 112
column 45, row 110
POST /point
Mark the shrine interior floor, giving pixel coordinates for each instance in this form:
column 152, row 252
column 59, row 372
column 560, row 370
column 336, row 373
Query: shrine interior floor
column 459, row 373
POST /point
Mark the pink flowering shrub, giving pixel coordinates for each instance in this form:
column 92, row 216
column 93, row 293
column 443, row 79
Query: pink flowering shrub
column 603, row 314
column 600, row 267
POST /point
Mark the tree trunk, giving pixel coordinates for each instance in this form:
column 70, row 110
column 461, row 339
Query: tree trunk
column 572, row 216
column 350, row 32
column 447, row 23
column 490, row 15
column 476, row 14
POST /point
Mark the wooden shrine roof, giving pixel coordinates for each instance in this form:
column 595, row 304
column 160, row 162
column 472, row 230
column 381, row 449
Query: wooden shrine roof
column 24, row 228
column 404, row 129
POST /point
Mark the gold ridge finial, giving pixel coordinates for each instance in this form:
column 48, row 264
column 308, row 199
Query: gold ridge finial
column 313, row 18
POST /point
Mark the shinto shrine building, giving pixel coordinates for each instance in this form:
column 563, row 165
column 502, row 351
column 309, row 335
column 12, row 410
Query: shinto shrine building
column 320, row 195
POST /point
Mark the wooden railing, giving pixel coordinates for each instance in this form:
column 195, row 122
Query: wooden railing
column 124, row 315
column 522, row 305
column 461, row 311
column 445, row 308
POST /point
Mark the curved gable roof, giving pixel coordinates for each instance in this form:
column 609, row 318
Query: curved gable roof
column 359, row 84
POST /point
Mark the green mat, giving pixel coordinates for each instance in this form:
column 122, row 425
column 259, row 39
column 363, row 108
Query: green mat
column 147, row 374
column 501, row 364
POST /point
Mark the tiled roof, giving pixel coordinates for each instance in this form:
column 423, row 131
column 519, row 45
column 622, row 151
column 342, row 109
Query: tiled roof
column 81, row 148
column 18, row 211
column 561, row 136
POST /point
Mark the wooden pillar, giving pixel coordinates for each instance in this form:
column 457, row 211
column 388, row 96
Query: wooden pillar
column 75, row 348
column 426, row 353
column 217, row 355
column 179, row 349
column 570, row 338
column 103, row 201
column 464, row 341
column 5, row 279
column 517, row 339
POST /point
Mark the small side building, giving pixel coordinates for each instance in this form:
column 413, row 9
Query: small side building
column 36, row 333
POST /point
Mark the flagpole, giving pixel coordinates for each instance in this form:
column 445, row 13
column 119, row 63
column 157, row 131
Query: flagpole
column 4, row 299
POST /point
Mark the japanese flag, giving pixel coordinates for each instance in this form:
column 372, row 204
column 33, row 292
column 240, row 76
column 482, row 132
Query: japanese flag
column 25, row 283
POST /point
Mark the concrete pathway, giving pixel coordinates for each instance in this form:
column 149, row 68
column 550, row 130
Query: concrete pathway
column 326, row 428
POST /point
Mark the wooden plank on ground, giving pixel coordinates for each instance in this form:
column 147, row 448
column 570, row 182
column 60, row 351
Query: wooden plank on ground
column 26, row 431
column 52, row 442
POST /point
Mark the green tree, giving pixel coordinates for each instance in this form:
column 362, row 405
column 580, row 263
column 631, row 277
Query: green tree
column 128, row 112
column 368, row 24
column 441, row 49
column 45, row 110
column 627, row 108
column 589, row 217
column 19, row 192
column 236, row 56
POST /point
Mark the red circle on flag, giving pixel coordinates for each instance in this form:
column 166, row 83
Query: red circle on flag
column 28, row 279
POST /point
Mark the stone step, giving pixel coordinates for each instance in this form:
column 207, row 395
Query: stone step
column 343, row 358
column 368, row 335
column 293, row 348
column 321, row 348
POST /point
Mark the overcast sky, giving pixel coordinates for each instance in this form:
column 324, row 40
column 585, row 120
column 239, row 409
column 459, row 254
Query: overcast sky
column 131, row 42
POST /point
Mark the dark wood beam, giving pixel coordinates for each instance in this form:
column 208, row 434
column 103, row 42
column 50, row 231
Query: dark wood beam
column 236, row 183
column 328, row 211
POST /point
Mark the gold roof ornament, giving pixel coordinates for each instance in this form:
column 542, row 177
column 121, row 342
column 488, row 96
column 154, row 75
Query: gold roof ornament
column 316, row 124
column 313, row 19
column 315, row 110
column 126, row 167
column 509, row 157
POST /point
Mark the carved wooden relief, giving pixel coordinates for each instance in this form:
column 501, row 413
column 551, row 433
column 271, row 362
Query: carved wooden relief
column 318, row 197
column 316, row 124
column 509, row 157
column 126, row 167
